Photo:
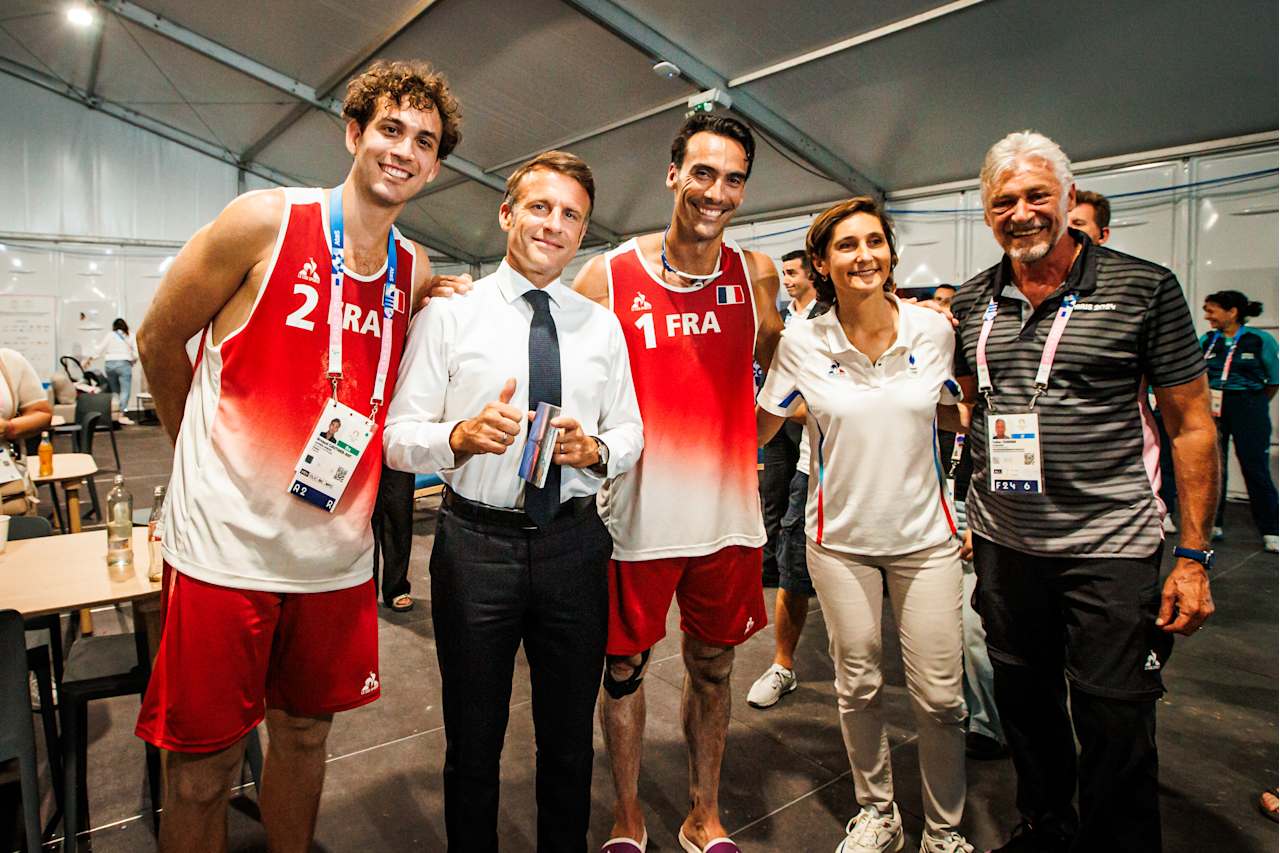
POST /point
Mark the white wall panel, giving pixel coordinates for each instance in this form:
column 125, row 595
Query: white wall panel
column 71, row 171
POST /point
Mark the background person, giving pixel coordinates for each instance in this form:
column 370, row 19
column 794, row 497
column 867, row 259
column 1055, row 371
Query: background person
column 780, row 456
column 791, row 606
column 25, row 409
column 873, row 375
column 119, row 351
column 1242, row 369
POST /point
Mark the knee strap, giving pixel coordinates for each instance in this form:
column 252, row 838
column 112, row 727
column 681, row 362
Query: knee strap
column 620, row 689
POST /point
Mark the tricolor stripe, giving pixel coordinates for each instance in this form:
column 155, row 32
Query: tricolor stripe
column 821, row 474
column 942, row 484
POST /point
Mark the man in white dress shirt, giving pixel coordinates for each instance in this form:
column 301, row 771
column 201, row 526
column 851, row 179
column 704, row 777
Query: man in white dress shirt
column 512, row 562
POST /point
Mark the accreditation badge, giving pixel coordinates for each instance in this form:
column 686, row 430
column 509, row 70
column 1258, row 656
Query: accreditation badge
column 337, row 441
column 1215, row 402
column 1013, row 453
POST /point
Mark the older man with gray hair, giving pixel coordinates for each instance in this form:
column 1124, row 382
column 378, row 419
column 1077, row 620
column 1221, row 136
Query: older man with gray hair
column 1060, row 340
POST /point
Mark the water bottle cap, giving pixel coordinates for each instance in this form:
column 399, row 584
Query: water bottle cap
column 119, row 480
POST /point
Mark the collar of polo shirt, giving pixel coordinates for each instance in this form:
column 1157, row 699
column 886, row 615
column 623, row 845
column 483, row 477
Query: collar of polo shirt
column 512, row 285
column 1082, row 277
column 837, row 341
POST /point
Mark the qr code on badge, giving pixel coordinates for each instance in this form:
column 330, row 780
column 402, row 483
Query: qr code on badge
column 340, row 474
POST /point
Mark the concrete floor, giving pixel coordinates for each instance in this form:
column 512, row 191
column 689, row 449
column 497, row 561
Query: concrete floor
column 786, row 780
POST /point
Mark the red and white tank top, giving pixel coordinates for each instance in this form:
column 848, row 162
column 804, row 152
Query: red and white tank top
column 229, row 518
column 695, row 488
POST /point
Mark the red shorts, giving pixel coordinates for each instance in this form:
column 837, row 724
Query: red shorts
column 226, row 655
column 720, row 595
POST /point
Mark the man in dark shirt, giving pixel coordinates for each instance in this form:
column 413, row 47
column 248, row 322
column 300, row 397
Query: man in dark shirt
column 1061, row 339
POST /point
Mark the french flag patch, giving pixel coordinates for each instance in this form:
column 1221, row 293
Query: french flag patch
column 729, row 294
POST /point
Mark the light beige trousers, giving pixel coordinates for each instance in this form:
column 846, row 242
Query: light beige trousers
column 925, row 591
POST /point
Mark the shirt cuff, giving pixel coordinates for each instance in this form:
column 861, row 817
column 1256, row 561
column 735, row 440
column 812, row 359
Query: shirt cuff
column 420, row 447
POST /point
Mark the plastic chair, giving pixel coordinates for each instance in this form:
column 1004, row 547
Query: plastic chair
column 93, row 415
column 17, row 738
column 99, row 667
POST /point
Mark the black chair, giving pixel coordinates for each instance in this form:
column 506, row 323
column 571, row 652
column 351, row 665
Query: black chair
column 93, row 415
column 98, row 667
column 17, row 738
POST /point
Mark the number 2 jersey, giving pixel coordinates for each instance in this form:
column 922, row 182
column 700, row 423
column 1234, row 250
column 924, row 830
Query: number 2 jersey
column 254, row 401
column 695, row 489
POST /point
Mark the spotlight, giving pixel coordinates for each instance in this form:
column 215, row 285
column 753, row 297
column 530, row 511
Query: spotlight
column 80, row 15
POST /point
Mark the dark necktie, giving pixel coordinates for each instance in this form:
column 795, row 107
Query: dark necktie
column 544, row 387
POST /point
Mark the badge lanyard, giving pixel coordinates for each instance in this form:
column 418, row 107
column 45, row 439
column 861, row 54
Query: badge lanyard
column 336, row 276
column 1046, row 358
column 1231, row 352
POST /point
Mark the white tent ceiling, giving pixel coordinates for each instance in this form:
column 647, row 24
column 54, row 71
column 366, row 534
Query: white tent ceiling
column 905, row 94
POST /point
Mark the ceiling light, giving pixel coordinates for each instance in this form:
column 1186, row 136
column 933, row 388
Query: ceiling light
column 666, row 69
column 93, row 266
column 80, row 15
column 17, row 262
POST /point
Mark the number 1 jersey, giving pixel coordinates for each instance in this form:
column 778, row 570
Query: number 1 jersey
column 695, row 489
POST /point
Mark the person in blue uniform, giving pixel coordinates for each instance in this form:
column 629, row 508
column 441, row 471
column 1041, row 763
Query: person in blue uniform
column 1243, row 377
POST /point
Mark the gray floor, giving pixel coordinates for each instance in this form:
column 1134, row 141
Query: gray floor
column 786, row 782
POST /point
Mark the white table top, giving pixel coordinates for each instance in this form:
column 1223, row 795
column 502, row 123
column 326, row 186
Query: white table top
column 56, row 574
column 66, row 466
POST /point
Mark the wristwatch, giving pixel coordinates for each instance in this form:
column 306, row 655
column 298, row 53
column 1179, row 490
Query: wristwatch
column 601, row 468
column 1204, row 558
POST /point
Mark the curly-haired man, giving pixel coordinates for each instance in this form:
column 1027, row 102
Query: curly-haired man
column 301, row 298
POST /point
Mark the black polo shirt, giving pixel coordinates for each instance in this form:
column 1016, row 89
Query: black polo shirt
column 1131, row 328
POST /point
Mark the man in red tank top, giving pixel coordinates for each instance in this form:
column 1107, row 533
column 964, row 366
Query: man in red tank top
column 686, row 521
column 285, row 636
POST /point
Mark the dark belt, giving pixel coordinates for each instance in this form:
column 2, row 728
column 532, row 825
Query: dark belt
column 516, row 519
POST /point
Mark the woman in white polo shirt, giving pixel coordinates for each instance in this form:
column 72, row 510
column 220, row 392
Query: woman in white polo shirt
column 873, row 377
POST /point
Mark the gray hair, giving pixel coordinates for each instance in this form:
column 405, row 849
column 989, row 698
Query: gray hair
column 1005, row 155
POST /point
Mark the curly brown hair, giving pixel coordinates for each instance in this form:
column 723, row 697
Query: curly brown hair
column 416, row 83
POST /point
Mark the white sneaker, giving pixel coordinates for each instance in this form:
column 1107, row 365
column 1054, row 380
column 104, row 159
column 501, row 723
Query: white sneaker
column 1169, row 526
column 952, row 842
column 1218, row 535
column 872, row 832
column 124, row 419
column 1271, row 544
column 776, row 682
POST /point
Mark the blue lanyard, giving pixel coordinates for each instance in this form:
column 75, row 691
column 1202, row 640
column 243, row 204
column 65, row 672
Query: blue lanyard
column 1231, row 351
column 389, row 299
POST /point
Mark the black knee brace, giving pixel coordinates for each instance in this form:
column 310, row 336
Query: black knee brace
column 619, row 689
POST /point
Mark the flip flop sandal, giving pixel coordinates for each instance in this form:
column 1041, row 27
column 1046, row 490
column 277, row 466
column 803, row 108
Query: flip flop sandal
column 402, row 604
column 715, row 845
column 622, row 844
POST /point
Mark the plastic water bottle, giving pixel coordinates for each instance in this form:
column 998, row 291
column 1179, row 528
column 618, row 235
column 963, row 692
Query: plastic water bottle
column 155, row 568
column 46, row 455
column 119, row 529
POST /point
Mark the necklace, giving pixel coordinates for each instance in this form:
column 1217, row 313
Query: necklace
column 701, row 280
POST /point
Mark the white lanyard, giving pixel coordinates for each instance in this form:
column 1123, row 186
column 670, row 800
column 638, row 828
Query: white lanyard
column 1046, row 358
column 336, row 276
column 1231, row 352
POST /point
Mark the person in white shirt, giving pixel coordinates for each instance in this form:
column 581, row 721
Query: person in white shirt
column 118, row 351
column 512, row 562
column 874, row 378
column 783, row 494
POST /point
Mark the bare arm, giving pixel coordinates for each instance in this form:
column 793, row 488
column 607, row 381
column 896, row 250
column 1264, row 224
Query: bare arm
column 767, row 426
column 30, row 420
column 592, row 281
column 1271, row 391
column 764, row 289
column 215, row 267
column 954, row 418
column 1195, row 462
